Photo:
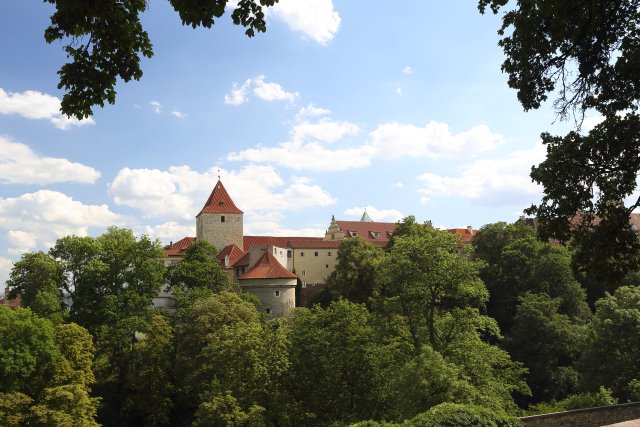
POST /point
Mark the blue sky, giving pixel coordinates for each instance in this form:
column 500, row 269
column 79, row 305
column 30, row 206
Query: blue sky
column 341, row 105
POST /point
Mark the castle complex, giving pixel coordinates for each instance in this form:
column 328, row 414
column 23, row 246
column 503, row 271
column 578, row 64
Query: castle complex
column 273, row 267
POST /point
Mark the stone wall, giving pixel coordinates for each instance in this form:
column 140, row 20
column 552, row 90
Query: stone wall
column 220, row 233
column 589, row 417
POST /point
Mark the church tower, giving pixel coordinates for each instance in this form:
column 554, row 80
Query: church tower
column 220, row 221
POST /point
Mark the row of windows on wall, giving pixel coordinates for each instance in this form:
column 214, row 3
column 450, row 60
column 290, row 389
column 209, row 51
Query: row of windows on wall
column 315, row 254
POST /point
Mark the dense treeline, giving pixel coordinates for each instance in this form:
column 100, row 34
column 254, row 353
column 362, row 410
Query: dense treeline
column 422, row 332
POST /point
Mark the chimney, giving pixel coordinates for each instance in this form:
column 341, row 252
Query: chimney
column 469, row 229
column 226, row 261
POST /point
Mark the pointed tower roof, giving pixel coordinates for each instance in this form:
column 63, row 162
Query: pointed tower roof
column 268, row 267
column 219, row 202
column 365, row 217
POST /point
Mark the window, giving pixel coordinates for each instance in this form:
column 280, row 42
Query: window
column 289, row 254
column 353, row 233
column 277, row 293
column 304, row 285
column 375, row 234
column 303, row 273
column 328, row 253
column 275, row 251
column 222, row 218
column 333, row 236
column 301, row 253
column 268, row 310
column 316, row 254
column 326, row 265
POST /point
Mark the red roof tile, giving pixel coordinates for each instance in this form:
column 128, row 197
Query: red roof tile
column 178, row 248
column 465, row 233
column 268, row 267
column 219, row 202
column 244, row 261
column 313, row 243
column 248, row 241
column 234, row 253
column 366, row 230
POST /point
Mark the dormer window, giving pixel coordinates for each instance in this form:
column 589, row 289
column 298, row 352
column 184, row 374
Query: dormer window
column 375, row 234
column 222, row 218
column 353, row 233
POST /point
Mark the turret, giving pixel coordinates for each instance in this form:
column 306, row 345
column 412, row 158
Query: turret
column 220, row 222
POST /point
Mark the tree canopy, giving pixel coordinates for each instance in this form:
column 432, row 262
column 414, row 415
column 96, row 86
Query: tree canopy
column 587, row 55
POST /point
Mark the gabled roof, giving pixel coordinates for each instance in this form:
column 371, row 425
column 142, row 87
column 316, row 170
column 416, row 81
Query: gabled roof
column 465, row 233
column 368, row 230
column 234, row 253
column 268, row 267
column 219, row 202
column 244, row 261
column 178, row 248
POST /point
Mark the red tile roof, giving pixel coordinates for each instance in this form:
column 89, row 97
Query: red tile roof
column 268, row 267
column 365, row 230
column 244, row 261
column 219, row 202
column 234, row 253
column 248, row 241
column 313, row 243
column 465, row 233
column 178, row 248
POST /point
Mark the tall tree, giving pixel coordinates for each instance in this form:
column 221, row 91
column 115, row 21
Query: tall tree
column 106, row 41
column 36, row 279
column 423, row 278
column 588, row 53
column 355, row 272
column 612, row 357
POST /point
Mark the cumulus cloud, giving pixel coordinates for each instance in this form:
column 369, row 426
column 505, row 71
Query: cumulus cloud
column 407, row 70
column 156, row 107
column 490, row 182
column 307, row 148
column 36, row 220
column 178, row 114
column 176, row 195
column 399, row 91
column 36, row 105
column 258, row 87
column 20, row 165
column 311, row 111
column 381, row 215
column 434, row 141
column 314, row 19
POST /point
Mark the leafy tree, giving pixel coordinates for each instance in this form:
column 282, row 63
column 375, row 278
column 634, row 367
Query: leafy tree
column 457, row 415
column 225, row 411
column 355, row 272
column 423, row 278
column 226, row 358
column 517, row 263
column 612, row 357
column 197, row 275
column 36, row 279
column 340, row 368
column 150, row 385
column 603, row 397
column 586, row 53
column 45, row 372
column 548, row 343
column 106, row 41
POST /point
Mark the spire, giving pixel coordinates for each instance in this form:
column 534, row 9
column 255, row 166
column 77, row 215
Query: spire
column 365, row 217
column 219, row 201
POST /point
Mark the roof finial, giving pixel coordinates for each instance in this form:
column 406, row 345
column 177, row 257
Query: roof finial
column 218, row 174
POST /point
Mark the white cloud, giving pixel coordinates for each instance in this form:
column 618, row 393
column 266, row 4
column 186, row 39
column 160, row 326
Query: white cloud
column 407, row 70
column 179, row 193
column 21, row 241
column 435, row 140
column 178, row 114
column 591, row 122
column 36, row 105
column 490, row 182
column 397, row 184
column 311, row 111
column 257, row 86
column 5, row 269
column 156, row 106
column 381, row 215
column 306, row 149
column 315, row 19
column 399, row 91
column 48, row 215
column 169, row 231
column 20, row 165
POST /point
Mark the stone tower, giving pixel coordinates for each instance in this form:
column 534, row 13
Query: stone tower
column 220, row 221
